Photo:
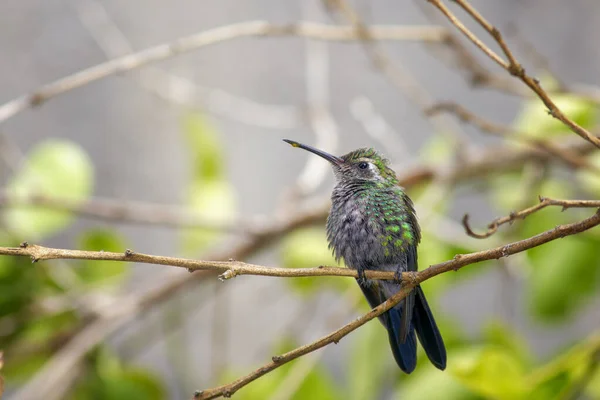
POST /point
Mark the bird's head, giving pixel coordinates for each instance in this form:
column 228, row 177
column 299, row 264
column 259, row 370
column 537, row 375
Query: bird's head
column 361, row 165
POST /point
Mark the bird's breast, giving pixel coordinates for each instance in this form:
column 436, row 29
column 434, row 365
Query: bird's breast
column 364, row 233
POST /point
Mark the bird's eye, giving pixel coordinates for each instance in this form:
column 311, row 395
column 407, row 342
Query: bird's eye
column 363, row 165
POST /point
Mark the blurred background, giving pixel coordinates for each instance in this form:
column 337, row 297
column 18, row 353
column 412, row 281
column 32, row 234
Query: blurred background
column 183, row 157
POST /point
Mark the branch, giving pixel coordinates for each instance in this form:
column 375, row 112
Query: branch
column 544, row 202
column 397, row 74
column 459, row 261
column 54, row 383
column 570, row 159
column 477, row 164
column 206, row 38
column 512, row 66
column 114, row 318
column 229, row 269
column 128, row 211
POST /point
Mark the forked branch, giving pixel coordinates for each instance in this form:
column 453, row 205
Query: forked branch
column 512, row 66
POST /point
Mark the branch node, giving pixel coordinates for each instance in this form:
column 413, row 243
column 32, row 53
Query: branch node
column 277, row 359
column 516, row 70
column 198, row 393
column 230, row 273
column 129, row 253
column 24, row 245
column 37, row 99
column 413, row 278
column 227, row 393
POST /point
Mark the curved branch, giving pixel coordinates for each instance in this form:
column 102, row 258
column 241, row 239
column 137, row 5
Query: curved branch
column 459, row 261
column 186, row 44
column 512, row 66
column 544, row 202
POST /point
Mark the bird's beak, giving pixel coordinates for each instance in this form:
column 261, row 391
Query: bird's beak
column 329, row 157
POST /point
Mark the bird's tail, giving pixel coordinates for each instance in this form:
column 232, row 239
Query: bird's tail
column 401, row 335
column 401, row 331
column 427, row 331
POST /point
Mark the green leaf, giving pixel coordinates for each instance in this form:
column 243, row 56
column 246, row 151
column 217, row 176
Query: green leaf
column 565, row 275
column 209, row 194
column 369, row 362
column 593, row 387
column 307, row 248
column 54, row 168
column 490, row 372
column 430, row 383
column 498, row 334
column 205, row 147
column 22, row 368
column 213, row 201
column 563, row 375
column 94, row 271
column 437, row 150
column 590, row 180
column 432, row 251
column 133, row 384
column 318, row 384
column 109, row 379
column 535, row 122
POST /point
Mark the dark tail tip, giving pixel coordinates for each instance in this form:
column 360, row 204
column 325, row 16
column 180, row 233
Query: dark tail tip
column 428, row 332
column 405, row 352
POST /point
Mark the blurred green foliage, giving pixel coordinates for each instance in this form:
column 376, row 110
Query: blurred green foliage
column 31, row 332
column 559, row 279
column 209, row 193
column 54, row 168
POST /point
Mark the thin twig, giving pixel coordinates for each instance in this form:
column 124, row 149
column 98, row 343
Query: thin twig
column 459, row 261
column 570, row 159
column 512, row 66
column 399, row 75
column 206, row 38
column 178, row 90
column 318, row 99
column 131, row 212
column 144, row 213
column 544, row 202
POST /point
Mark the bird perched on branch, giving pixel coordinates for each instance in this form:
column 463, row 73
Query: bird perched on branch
column 372, row 226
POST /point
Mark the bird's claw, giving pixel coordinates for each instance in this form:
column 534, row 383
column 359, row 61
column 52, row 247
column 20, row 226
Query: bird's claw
column 398, row 276
column 362, row 277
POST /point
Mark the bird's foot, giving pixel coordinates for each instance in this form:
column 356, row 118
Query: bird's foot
column 362, row 278
column 398, row 276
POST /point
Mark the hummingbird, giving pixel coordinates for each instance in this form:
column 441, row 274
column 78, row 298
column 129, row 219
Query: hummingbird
column 372, row 225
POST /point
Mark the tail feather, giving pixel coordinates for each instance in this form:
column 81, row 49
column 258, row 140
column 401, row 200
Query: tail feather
column 401, row 333
column 405, row 352
column 427, row 331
